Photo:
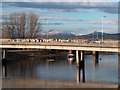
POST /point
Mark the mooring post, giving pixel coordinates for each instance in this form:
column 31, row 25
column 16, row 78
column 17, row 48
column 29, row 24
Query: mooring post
column 95, row 58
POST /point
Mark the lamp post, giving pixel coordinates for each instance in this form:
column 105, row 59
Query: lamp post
column 102, row 27
column 97, row 36
column 47, row 30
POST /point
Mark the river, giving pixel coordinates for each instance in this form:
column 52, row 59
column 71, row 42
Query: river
column 39, row 68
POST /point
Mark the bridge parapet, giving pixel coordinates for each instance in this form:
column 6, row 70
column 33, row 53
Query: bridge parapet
column 60, row 40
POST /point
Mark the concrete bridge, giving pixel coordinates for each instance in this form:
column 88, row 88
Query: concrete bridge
column 79, row 47
column 102, row 47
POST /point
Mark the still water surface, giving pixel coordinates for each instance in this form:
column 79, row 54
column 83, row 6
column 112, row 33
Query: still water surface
column 61, row 70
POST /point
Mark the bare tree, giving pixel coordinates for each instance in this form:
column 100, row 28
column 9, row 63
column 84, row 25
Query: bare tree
column 33, row 26
column 22, row 25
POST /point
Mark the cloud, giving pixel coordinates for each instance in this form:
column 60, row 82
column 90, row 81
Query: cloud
column 59, row 18
column 112, row 22
column 59, row 0
column 109, row 7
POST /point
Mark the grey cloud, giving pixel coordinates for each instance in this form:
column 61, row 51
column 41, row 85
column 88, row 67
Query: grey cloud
column 59, row 18
column 57, row 23
column 112, row 22
column 109, row 7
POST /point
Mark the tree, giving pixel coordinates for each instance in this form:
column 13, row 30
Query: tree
column 21, row 25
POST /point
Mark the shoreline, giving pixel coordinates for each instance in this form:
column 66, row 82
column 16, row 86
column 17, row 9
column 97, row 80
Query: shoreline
column 29, row 83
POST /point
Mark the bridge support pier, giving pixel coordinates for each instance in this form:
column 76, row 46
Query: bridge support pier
column 3, row 54
column 119, row 68
column 70, row 51
column 80, row 66
column 95, row 58
column 77, row 58
column 4, row 64
column 78, row 74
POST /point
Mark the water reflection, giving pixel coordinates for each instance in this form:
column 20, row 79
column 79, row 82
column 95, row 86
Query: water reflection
column 62, row 70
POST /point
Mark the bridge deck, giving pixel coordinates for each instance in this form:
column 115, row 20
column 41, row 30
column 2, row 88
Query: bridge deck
column 63, row 46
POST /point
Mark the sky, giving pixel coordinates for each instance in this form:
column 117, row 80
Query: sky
column 72, row 16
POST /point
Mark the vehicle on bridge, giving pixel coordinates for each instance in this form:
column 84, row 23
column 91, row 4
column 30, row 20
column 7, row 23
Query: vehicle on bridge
column 93, row 41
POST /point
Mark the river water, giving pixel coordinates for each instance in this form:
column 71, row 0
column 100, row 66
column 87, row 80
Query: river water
column 39, row 68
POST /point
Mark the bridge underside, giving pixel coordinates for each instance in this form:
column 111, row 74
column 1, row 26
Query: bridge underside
column 63, row 47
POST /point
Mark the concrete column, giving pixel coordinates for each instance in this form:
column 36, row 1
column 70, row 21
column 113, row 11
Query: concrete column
column 4, row 54
column 77, row 67
column 95, row 57
column 4, row 64
column 81, row 54
column 82, row 65
column 119, row 69
column 74, row 52
column 77, row 57
column 4, row 71
column 70, row 51
column 78, row 74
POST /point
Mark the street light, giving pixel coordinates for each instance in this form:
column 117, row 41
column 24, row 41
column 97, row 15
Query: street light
column 47, row 30
column 102, row 27
column 97, row 35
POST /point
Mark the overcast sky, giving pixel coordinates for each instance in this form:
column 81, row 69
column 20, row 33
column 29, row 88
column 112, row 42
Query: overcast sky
column 80, row 17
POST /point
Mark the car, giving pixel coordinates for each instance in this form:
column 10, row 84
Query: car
column 93, row 41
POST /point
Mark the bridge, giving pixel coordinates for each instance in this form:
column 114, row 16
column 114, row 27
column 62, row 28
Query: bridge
column 102, row 47
column 78, row 46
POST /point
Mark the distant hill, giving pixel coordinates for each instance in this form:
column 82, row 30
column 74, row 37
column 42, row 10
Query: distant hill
column 99, row 35
column 60, row 34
